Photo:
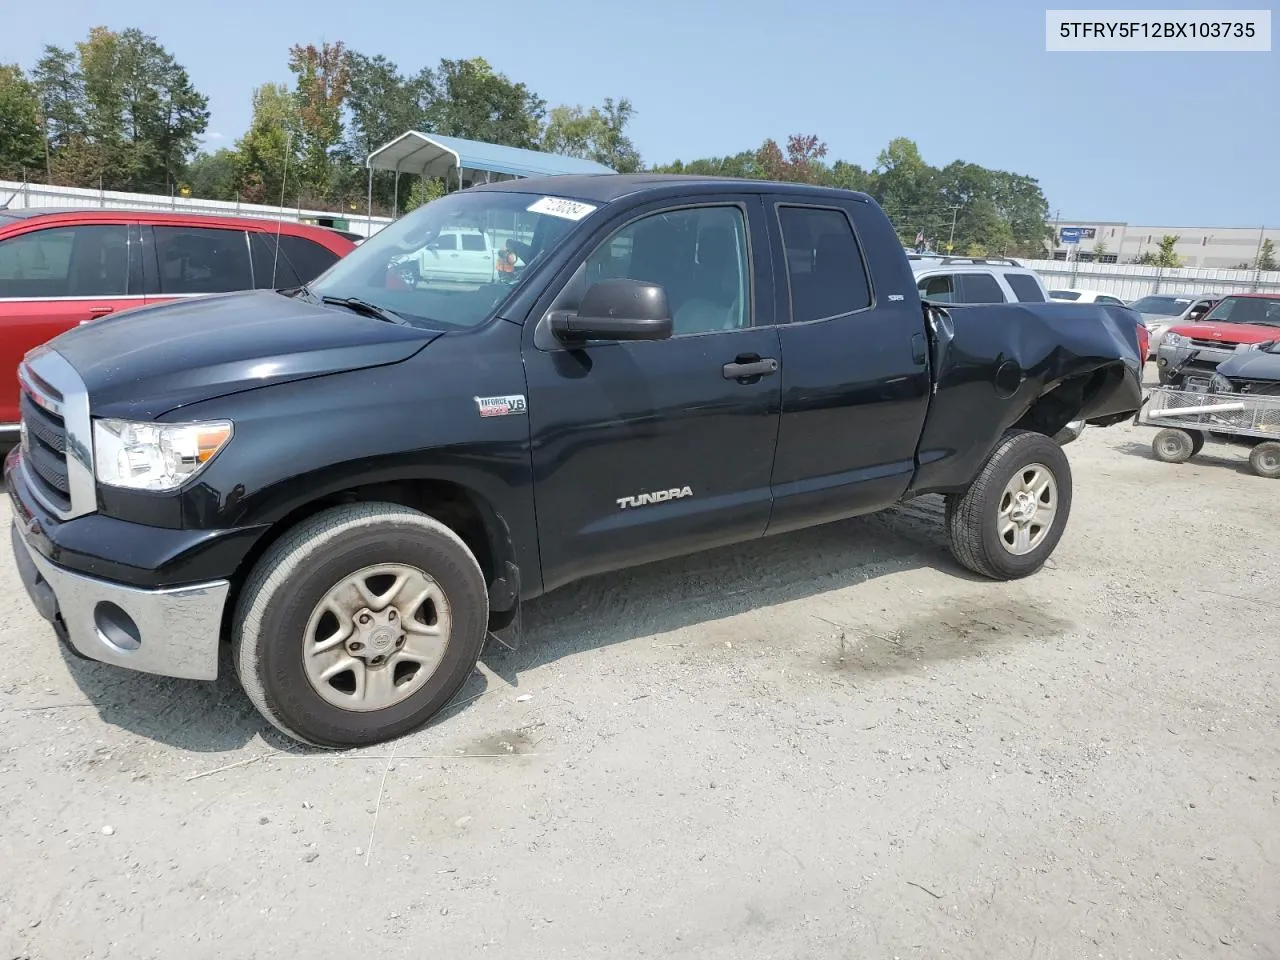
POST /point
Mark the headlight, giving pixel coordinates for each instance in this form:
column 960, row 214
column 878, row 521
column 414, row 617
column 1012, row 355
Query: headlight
column 1175, row 340
column 155, row 456
column 1220, row 384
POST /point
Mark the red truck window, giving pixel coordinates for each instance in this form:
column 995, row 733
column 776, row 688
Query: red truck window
column 84, row 261
column 202, row 260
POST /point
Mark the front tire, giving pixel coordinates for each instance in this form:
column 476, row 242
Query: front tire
column 1006, row 525
column 359, row 625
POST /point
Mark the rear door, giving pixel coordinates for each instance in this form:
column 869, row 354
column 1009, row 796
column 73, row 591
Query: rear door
column 55, row 277
column 645, row 450
column 192, row 261
column 854, row 355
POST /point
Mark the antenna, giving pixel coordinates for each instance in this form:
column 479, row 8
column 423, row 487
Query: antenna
column 284, row 179
column 5, row 205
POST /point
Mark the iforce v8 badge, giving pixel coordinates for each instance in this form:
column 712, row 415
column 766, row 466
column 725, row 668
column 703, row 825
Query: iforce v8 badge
column 513, row 405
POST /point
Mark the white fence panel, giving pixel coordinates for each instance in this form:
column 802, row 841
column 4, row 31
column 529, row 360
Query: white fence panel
column 1129, row 281
column 20, row 195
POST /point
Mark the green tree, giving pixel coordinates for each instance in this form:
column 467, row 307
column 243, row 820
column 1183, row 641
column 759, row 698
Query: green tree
column 802, row 162
column 741, row 165
column 1266, row 258
column 597, row 134
column 1163, row 255
column 324, row 76
column 214, row 176
column 381, row 105
column 57, row 80
column 21, row 140
column 475, row 102
column 269, row 152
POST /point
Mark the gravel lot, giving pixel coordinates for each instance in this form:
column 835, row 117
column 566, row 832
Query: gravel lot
column 833, row 744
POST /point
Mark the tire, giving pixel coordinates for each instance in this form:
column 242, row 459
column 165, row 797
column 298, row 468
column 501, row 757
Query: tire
column 1172, row 445
column 280, row 612
column 1197, row 441
column 977, row 520
column 1265, row 459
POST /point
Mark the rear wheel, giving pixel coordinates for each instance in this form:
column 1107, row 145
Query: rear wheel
column 1265, row 459
column 359, row 625
column 1006, row 525
column 1172, row 445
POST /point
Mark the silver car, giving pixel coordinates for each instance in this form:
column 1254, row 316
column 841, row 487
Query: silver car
column 1160, row 311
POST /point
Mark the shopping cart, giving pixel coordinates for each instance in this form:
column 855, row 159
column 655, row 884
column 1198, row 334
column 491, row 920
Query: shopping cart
column 1188, row 418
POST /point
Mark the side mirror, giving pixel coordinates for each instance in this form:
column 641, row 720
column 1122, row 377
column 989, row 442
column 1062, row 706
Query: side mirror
column 617, row 309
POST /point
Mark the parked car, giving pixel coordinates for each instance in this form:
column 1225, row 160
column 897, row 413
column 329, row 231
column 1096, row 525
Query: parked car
column 1254, row 371
column 945, row 279
column 655, row 384
column 1195, row 349
column 1160, row 311
column 60, row 267
column 1086, row 296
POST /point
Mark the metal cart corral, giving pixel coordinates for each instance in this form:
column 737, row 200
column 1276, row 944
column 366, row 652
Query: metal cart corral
column 1188, row 418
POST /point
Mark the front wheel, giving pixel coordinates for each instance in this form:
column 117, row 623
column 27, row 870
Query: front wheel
column 359, row 625
column 1011, row 518
column 1265, row 459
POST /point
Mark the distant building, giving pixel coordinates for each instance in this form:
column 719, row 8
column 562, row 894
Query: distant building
column 1222, row 247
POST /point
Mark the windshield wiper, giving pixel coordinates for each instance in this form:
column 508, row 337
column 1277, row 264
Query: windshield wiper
column 367, row 308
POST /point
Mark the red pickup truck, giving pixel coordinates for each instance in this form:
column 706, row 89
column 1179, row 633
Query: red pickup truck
column 1195, row 349
column 60, row 267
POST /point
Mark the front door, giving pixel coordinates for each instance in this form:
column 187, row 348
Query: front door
column 56, row 277
column 645, row 450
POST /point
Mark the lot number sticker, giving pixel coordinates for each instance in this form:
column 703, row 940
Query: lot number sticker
column 559, row 207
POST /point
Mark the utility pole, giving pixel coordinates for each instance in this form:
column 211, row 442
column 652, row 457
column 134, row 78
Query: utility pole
column 951, row 240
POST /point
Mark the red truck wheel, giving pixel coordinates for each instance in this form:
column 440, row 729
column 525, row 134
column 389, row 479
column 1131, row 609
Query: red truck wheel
column 1011, row 518
column 360, row 624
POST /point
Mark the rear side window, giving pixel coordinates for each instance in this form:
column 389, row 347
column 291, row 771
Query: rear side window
column 309, row 258
column 473, row 241
column 824, row 264
column 1025, row 288
column 1059, row 294
column 980, row 288
column 1112, row 301
column 272, row 269
column 84, row 261
column 202, row 260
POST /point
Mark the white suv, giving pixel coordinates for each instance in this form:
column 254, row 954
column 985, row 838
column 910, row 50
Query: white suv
column 946, row 279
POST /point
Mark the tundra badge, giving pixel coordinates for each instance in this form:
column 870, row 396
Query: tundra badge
column 502, row 406
column 658, row 496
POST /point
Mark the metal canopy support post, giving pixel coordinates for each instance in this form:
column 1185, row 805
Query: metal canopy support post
column 395, row 203
column 370, row 214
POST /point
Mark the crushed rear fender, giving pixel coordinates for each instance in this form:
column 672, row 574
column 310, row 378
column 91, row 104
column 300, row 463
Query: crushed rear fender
column 1036, row 366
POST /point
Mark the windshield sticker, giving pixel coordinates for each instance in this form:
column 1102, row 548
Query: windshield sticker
column 559, row 207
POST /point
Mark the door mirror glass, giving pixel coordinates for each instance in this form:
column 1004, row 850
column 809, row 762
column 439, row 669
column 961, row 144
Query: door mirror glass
column 617, row 309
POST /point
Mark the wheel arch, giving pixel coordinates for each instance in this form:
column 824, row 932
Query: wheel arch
column 1095, row 396
column 460, row 507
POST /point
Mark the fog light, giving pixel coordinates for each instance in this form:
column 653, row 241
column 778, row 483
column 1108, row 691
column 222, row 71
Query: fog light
column 116, row 627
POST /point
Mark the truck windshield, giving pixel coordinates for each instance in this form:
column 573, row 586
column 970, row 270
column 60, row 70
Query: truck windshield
column 1163, row 306
column 454, row 261
column 1256, row 310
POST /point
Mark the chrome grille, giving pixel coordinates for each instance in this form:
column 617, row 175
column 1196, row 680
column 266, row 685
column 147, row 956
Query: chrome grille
column 1212, row 345
column 57, row 457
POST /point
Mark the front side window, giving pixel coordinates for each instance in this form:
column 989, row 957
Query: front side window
column 410, row 267
column 196, row 260
column 824, row 263
column 83, row 261
column 940, row 288
column 1161, row 306
column 699, row 258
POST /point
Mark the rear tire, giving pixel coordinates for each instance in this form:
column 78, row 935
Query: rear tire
column 1172, row 445
column 1265, row 459
column 1009, row 521
column 339, row 617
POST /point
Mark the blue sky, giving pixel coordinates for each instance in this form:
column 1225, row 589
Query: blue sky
column 1151, row 138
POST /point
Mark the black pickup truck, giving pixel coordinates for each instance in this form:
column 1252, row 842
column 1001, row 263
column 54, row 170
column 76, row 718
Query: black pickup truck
column 355, row 482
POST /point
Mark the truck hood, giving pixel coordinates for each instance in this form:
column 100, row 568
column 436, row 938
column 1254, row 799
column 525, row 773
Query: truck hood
column 147, row 362
column 1252, row 365
column 1228, row 332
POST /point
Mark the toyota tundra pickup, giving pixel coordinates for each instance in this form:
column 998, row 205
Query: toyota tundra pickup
column 355, row 482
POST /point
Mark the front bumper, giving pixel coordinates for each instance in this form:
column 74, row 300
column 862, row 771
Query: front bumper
column 173, row 632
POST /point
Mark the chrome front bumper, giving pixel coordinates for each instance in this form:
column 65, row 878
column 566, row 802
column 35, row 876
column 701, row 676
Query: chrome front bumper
column 172, row 632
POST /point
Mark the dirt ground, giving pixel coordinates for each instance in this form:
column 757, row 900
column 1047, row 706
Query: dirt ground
column 833, row 744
